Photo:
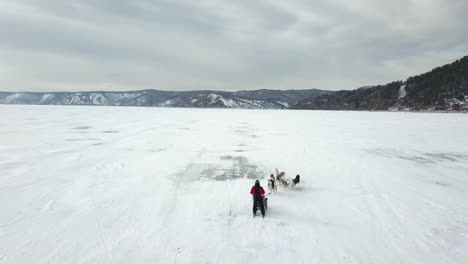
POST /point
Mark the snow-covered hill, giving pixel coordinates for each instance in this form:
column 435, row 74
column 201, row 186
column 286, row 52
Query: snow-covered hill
column 443, row 88
column 259, row 99
column 167, row 185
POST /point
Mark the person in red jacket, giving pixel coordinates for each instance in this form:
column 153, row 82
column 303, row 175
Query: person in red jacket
column 258, row 193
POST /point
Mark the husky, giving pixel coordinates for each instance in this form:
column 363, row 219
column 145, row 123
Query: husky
column 280, row 178
column 295, row 181
column 285, row 184
column 279, row 175
column 272, row 186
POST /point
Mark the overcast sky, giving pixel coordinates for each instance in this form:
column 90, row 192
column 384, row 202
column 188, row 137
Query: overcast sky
column 57, row 45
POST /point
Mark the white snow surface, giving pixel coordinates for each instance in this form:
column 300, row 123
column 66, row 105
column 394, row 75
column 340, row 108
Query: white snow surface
column 83, row 184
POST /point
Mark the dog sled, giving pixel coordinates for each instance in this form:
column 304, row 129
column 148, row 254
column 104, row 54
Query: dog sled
column 258, row 206
column 265, row 203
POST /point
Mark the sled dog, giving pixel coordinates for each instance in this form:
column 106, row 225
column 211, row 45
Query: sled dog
column 272, row 186
column 295, row 181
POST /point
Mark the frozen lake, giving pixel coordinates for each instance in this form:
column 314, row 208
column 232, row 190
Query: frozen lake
column 151, row 185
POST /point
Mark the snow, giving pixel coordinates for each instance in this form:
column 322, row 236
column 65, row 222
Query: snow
column 229, row 103
column 167, row 185
column 213, row 98
column 402, row 92
column 13, row 98
column 454, row 102
column 285, row 104
column 98, row 99
column 122, row 95
column 46, row 97
column 167, row 102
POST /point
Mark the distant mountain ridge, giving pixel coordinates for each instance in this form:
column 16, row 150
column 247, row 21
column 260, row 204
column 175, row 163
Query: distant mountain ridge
column 256, row 99
column 443, row 88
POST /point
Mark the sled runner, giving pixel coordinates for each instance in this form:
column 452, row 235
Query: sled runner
column 265, row 206
column 265, row 203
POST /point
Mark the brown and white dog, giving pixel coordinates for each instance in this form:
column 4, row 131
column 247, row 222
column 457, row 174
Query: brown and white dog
column 280, row 178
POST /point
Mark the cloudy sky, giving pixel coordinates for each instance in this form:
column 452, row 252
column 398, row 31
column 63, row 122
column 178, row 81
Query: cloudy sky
column 56, row 45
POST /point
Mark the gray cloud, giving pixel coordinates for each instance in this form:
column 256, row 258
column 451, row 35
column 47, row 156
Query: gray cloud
column 228, row 45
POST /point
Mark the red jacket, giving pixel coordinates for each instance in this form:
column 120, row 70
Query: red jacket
column 260, row 190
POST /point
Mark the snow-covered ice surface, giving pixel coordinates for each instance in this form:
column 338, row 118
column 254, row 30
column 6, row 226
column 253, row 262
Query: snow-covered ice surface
column 152, row 185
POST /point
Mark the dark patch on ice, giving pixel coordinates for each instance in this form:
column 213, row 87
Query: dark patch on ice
column 98, row 144
column 253, row 136
column 422, row 158
column 183, row 128
column 241, row 168
column 230, row 168
column 442, row 184
column 110, row 131
column 209, row 172
column 417, row 159
column 82, row 127
column 240, row 150
column 448, row 156
column 242, row 145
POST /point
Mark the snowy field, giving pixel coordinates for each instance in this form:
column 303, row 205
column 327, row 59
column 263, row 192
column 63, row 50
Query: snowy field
column 149, row 185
